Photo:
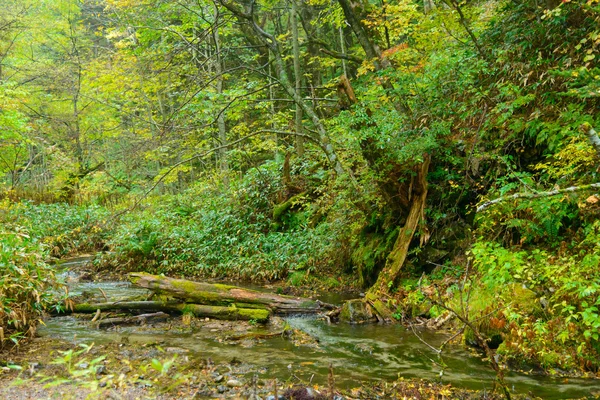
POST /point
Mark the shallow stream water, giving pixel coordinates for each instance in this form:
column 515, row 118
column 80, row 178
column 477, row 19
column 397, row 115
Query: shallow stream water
column 357, row 352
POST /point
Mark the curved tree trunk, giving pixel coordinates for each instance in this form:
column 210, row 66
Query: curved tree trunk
column 397, row 257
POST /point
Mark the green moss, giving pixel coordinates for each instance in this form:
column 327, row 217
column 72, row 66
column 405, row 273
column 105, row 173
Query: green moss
column 229, row 313
column 297, row 278
column 308, row 304
column 204, row 295
column 257, row 315
column 357, row 311
column 224, row 287
column 280, row 209
column 251, row 305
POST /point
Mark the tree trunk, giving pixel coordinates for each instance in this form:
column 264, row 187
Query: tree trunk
column 271, row 42
column 428, row 6
column 298, row 76
column 131, row 320
column 226, row 295
column 396, row 258
column 223, row 160
column 592, row 136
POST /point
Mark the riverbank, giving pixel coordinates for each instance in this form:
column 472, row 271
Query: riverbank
column 186, row 357
column 52, row 368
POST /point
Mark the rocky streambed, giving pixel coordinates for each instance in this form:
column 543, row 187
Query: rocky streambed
column 187, row 357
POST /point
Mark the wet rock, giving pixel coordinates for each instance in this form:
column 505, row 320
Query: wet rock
column 203, row 394
column 234, row 383
column 364, row 348
column 357, row 311
column 303, row 393
column 176, row 350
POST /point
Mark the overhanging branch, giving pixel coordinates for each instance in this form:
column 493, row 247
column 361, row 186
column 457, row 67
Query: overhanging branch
column 571, row 189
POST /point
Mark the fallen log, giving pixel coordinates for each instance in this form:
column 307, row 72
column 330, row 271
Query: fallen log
column 217, row 312
column 135, row 319
column 226, row 295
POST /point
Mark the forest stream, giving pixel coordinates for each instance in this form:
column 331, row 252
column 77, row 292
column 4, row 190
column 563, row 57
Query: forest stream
column 357, row 352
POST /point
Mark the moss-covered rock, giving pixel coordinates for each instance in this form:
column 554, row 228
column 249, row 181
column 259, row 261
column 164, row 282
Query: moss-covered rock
column 357, row 311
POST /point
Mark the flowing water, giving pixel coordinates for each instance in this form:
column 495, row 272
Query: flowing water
column 357, row 352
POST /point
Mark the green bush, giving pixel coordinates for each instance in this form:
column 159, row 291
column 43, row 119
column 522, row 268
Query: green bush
column 24, row 280
column 64, row 228
column 557, row 323
column 223, row 234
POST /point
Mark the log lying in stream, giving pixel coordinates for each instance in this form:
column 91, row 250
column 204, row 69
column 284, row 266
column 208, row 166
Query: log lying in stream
column 227, row 295
column 135, row 319
column 217, row 312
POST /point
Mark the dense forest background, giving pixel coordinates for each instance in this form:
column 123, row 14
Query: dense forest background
column 437, row 153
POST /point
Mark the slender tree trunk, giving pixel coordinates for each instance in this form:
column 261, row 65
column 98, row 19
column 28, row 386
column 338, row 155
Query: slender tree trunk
column 271, row 42
column 592, row 136
column 223, row 161
column 343, row 50
column 355, row 16
column 272, row 109
column 298, row 77
column 428, row 6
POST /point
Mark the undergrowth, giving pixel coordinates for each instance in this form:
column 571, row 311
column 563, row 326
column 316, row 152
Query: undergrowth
column 24, row 280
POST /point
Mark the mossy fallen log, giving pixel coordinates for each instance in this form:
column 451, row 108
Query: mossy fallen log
column 199, row 310
column 226, row 295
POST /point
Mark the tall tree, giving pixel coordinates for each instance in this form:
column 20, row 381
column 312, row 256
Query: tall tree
column 297, row 75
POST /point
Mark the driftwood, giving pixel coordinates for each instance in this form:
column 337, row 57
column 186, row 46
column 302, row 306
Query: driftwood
column 227, row 295
column 135, row 319
column 217, row 312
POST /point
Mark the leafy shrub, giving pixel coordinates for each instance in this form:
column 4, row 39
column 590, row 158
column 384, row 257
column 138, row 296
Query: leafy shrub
column 64, row 228
column 203, row 232
column 558, row 323
column 24, row 280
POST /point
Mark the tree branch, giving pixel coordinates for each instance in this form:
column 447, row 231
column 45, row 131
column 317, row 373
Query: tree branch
column 204, row 154
column 555, row 192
